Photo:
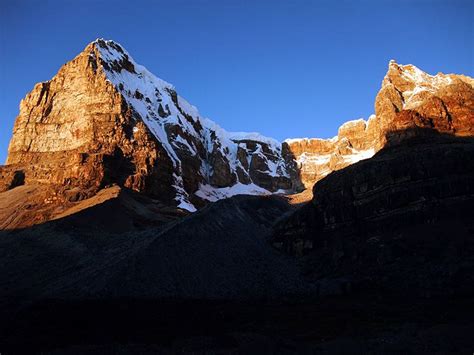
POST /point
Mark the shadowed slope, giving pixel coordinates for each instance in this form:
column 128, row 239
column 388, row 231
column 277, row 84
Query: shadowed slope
column 400, row 222
column 219, row 252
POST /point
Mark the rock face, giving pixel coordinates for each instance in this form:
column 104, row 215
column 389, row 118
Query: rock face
column 316, row 158
column 105, row 119
column 409, row 100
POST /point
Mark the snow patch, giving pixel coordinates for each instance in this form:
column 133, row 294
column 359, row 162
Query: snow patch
column 353, row 123
column 359, row 155
column 212, row 194
column 187, row 206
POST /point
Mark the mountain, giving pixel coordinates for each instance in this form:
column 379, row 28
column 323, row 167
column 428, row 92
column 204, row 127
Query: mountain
column 106, row 119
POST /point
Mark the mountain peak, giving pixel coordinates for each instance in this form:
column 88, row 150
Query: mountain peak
column 408, row 71
column 105, row 113
column 107, row 44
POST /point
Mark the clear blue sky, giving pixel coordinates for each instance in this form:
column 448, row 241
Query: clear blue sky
column 282, row 68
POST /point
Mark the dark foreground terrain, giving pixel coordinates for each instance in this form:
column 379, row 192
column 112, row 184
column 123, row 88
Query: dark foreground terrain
column 380, row 261
column 368, row 323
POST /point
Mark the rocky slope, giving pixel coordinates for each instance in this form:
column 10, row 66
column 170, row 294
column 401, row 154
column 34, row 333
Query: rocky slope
column 120, row 210
column 219, row 252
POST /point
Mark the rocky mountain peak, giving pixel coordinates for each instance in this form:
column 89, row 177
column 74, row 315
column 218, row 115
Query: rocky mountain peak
column 106, row 119
column 410, row 98
column 110, row 54
column 412, row 81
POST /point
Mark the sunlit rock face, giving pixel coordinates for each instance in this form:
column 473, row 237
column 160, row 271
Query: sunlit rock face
column 316, row 158
column 410, row 98
column 408, row 102
column 78, row 130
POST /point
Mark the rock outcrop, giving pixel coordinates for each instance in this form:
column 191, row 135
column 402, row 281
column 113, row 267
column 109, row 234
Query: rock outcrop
column 410, row 98
column 408, row 102
column 316, row 158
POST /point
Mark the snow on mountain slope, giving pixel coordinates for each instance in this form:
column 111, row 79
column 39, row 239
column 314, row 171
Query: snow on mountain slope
column 416, row 84
column 242, row 158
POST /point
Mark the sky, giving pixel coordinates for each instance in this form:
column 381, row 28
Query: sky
column 285, row 69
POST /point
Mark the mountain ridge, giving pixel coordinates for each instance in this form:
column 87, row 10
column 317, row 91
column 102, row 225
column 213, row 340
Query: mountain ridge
column 105, row 119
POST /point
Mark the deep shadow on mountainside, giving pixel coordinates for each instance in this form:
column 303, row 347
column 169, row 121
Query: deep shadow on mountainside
column 398, row 222
column 381, row 260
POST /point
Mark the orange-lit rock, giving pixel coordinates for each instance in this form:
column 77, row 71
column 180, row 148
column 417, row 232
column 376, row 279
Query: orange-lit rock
column 409, row 98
